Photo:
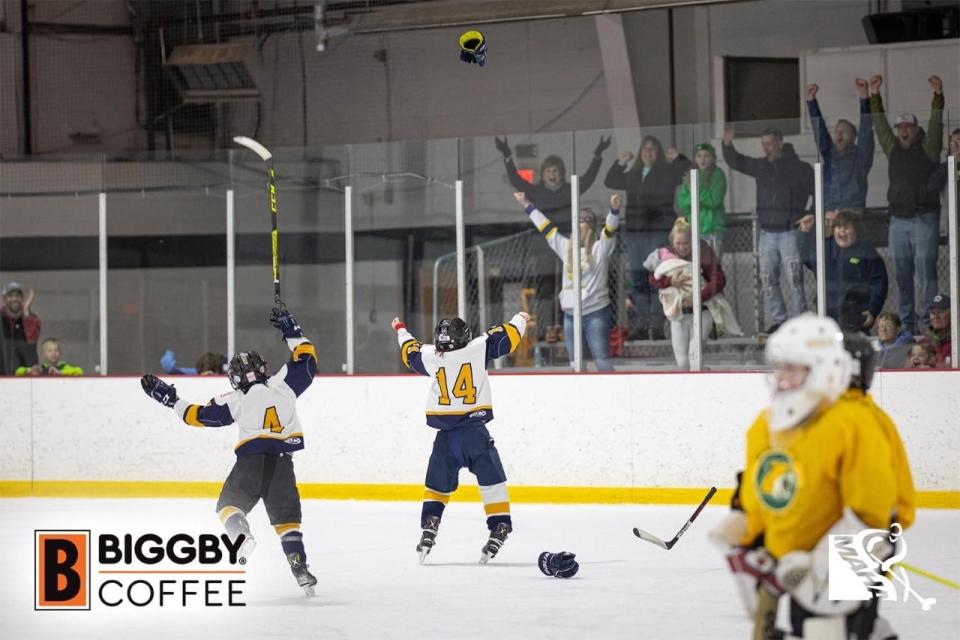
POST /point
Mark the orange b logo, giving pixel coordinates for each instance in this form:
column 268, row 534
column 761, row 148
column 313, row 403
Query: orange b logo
column 62, row 576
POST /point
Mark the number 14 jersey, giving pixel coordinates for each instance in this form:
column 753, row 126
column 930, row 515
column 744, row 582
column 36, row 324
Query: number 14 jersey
column 460, row 392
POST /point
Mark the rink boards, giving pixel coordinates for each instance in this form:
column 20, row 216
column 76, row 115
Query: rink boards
column 622, row 438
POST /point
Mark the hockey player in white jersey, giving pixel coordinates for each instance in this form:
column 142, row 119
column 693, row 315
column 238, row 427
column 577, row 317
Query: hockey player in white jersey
column 264, row 409
column 459, row 405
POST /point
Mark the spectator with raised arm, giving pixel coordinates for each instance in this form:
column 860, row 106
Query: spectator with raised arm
column 847, row 154
column 713, row 190
column 596, row 245
column 914, row 209
column 551, row 194
column 856, row 277
column 21, row 329
column 784, row 190
column 650, row 185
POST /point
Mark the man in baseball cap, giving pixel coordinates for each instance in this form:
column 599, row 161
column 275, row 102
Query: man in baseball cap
column 938, row 334
column 21, row 329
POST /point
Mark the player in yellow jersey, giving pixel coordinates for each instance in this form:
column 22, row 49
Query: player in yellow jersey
column 816, row 465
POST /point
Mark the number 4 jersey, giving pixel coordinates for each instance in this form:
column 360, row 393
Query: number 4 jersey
column 266, row 414
column 460, row 392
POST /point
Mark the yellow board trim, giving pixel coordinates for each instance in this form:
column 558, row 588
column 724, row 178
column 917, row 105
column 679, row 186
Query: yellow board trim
column 403, row 492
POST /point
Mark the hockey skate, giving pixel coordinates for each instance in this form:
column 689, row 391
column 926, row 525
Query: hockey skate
column 428, row 538
column 300, row 571
column 497, row 537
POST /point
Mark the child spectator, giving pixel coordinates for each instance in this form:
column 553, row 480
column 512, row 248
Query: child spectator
column 21, row 329
column 670, row 273
column 50, row 364
column 713, row 190
column 596, row 245
column 551, row 194
column 650, row 185
column 893, row 342
column 914, row 210
column 856, row 276
column 211, row 364
column 784, row 187
column 922, row 356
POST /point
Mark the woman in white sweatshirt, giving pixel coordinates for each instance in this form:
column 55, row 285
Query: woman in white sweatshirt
column 596, row 245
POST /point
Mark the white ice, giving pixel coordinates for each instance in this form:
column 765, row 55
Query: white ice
column 371, row 585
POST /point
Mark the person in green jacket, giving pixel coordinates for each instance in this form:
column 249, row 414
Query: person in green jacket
column 50, row 363
column 713, row 189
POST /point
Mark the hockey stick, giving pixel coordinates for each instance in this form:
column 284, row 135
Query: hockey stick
column 267, row 157
column 649, row 537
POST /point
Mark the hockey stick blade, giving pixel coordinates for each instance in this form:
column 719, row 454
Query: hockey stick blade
column 649, row 537
column 254, row 146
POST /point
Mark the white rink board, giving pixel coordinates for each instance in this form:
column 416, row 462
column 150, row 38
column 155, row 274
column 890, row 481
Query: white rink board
column 624, row 430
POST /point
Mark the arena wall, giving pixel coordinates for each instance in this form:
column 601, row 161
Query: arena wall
column 563, row 438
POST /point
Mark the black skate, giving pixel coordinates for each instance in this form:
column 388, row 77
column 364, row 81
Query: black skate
column 429, row 537
column 497, row 537
column 300, row 571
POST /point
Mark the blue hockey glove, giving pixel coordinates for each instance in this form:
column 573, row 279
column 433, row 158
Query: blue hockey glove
column 165, row 394
column 558, row 565
column 286, row 323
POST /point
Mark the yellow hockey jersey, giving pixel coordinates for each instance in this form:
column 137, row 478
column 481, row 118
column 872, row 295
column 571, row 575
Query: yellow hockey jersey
column 797, row 482
column 460, row 392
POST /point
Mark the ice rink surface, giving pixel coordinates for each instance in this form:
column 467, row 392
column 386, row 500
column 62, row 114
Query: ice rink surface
column 371, row 585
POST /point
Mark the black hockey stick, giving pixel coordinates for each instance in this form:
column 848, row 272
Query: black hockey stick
column 649, row 537
column 267, row 157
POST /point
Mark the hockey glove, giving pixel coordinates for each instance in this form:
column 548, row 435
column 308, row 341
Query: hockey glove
column 503, row 146
column 558, row 565
column 165, row 394
column 286, row 323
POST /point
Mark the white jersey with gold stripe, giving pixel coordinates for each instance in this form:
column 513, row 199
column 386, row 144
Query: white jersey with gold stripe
column 460, row 392
column 266, row 415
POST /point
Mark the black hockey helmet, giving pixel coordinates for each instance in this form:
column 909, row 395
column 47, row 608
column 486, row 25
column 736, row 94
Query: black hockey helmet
column 246, row 369
column 864, row 358
column 451, row 334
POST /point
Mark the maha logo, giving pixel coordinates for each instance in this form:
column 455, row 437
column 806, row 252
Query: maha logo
column 776, row 480
column 861, row 567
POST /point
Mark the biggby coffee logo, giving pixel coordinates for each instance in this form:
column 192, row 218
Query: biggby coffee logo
column 62, row 573
column 138, row 571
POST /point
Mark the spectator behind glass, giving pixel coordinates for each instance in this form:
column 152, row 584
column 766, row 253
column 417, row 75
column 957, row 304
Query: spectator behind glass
column 551, row 194
column 211, row 364
column 21, row 329
column 914, row 209
column 922, row 356
column 596, row 245
column 50, row 362
column 938, row 334
column 847, row 155
column 713, row 190
column 938, row 179
column 893, row 342
column 650, row 185
column 671, row 274
column 856, row 276
column 784, row 187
